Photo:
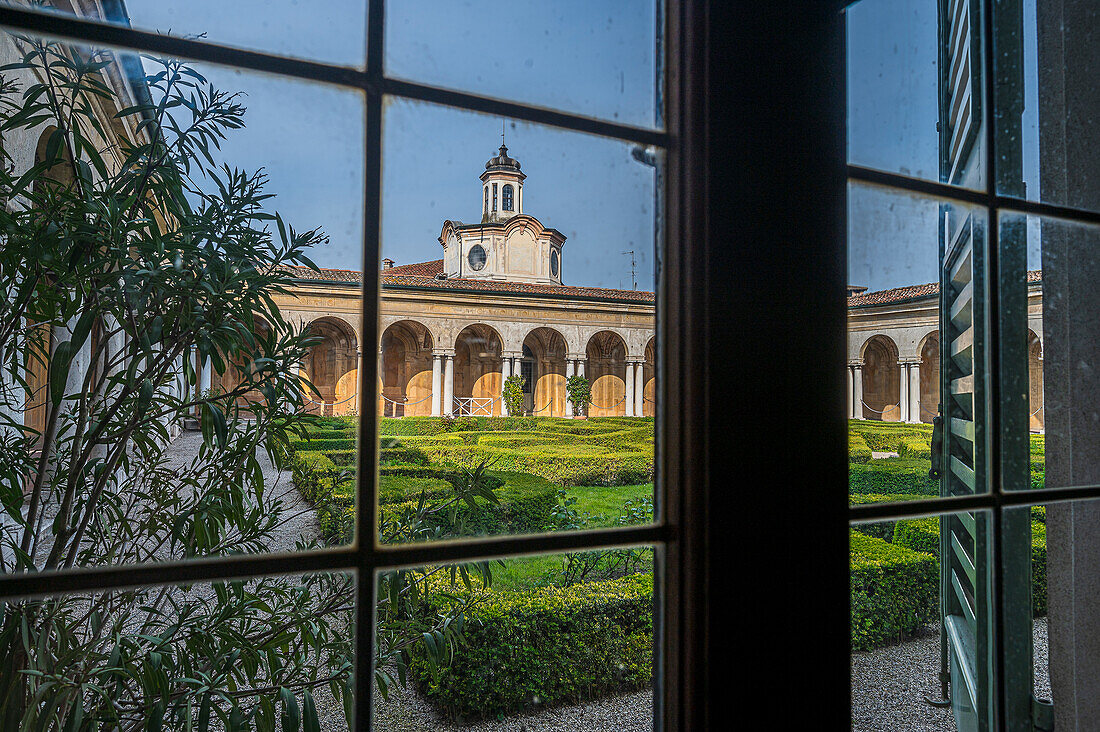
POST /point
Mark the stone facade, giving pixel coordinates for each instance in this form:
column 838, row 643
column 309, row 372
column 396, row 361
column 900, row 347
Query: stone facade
column 894, row 353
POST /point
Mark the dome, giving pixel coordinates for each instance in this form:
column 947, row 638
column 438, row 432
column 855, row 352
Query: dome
column 501, row 161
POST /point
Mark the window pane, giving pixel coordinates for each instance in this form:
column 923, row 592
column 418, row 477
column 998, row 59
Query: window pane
column 1049, row 324
column 894, row 345
column 1047, row 129
column 520, row 342
column 161, row 321
column 904, row 115
column 899, row 641
column 332, row 32
column 184, row 656
column 555, row 641
column 598, row 59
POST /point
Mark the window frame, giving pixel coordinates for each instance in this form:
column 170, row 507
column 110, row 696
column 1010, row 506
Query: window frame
column 366, row 557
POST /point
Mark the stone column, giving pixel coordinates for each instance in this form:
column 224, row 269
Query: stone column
column 580, row 366
column 505, row 374
column 914, row 391
column 639, row 389
column 206, row 376
column 437, row 383
column 903, row 392
column 851, row 403
column 570, row 368
column 857, row 388
column 449, row 384
column 628, row 402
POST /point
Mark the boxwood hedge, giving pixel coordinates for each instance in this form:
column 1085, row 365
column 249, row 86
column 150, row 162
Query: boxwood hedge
column 893, row 591
column 892, row 475
column 545, row 646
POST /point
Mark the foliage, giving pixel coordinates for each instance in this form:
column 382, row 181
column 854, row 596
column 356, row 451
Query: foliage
column 609, row 563
column 512, row 393
column 892, row 475
column 894, row 591
column 579, row 393
column 544, row 646
column 129, row 255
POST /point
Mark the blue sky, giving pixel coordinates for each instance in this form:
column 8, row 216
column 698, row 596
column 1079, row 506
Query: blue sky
column 589, row 57
column 592, row 57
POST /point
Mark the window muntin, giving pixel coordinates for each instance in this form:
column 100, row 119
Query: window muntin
column 362, row 557
column 506, row 200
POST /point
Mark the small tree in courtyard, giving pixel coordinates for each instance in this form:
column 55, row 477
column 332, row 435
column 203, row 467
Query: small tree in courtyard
column 512, row 393
column 579, row 393
column 128, row 256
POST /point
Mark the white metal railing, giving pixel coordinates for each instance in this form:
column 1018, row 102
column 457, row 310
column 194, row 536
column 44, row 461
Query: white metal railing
column 474, row 406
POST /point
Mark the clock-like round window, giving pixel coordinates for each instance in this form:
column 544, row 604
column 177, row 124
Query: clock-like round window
column 476, row 257
column 554, row 263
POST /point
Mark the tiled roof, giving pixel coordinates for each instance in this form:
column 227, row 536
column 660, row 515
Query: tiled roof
column 913, row 292
column 422, row 275
column 422, row 269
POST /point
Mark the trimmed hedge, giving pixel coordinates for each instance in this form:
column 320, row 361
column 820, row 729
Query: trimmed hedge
column 546, row 646
column 892, row 475
column 893, row 591
column 923, row 535
column 565, row 466
column 858, row 451
column 880, row 529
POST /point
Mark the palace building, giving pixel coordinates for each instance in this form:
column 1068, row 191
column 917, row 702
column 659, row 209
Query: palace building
column 894, row 352
column 492, row 305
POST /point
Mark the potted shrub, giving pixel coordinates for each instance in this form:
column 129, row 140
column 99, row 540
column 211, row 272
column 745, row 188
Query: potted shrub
column 512, row 393
column 579, row 393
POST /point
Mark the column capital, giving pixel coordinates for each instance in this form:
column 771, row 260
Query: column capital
column 441, row 352
column 576, row 357
column 512, row 354
column 856, row 363
column 913, row 361
column 635, row 359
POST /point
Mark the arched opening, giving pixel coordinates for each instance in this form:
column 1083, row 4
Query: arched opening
column 37, row 374
column 1035, row 381
column 930, row 377
column 61, row 171
column 881, row 380
column 506, row 196
column 333, row 367
column 237, row 371
column 477, row 377
column 606, row 353
column 405, row 387
column 547, row 357
column 649, row 380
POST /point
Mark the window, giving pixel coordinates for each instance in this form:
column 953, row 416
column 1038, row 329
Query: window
column 345, row 349
column 476, row 257
column 486, row 209
column 554, row 262
column 506, row 194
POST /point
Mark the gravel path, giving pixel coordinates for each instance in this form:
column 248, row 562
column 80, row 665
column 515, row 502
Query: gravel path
column 889, row 684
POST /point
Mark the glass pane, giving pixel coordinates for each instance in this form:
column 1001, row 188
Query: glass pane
column 517, row 355
column 904, row 115
column 160, row 325
column 899, row 641
column 1049, row 325
column 332, row 32
column 224, row 655
column 561, row 641
column 1048, row 102
column 599, row 59
column 894, row 345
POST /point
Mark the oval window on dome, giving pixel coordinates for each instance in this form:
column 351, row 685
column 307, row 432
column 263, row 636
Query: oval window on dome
column 477, row 257
column 553, row 262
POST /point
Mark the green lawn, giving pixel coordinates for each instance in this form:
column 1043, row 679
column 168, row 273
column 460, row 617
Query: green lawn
column 602, row 503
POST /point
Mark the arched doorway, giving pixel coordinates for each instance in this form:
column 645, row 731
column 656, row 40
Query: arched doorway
column 547, row 350
column 236, row 371
column 881, row 380
column 606, row 353
column 333, row 367
column 405, row 387
column 649, row 380
column 477, row 378
column 930, row 377
column 1035, row 381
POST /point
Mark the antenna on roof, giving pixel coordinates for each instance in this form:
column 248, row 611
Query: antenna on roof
column 633, row 277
